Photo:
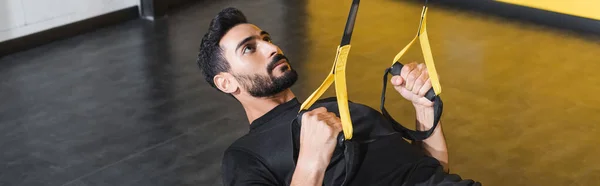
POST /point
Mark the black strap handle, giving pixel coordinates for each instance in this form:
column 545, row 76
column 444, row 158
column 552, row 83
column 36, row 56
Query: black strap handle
column 430, row 95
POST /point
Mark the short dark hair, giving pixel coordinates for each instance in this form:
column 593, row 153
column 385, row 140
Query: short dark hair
column 210, row 58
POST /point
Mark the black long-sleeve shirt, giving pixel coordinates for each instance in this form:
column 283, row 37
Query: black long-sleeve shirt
column 265, row 156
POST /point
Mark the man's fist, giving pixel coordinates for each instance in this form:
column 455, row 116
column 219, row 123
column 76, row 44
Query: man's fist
column 412, row 83
column 318, row 136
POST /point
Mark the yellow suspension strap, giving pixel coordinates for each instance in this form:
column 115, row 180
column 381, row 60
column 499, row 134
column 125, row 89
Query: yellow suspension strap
column 338, row 75
column 432, row 94
column 351, row 155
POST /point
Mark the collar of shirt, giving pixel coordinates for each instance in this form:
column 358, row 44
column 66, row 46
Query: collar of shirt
column 273, row 113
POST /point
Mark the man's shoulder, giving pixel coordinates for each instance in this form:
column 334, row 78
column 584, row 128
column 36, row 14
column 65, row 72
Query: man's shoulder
column 270, row 151
column 244, row 144
column 242, row 164
column 263, row 144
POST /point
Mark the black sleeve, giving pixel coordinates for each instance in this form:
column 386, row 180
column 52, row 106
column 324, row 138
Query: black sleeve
column 240, row 167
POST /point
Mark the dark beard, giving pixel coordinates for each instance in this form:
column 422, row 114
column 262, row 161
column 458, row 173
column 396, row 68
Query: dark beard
column 267, row 86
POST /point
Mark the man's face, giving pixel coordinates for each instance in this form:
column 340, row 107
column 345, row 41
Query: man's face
column 258, row 66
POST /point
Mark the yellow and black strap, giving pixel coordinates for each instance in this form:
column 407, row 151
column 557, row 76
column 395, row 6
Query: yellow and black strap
column 338, row 75
column 432, row 94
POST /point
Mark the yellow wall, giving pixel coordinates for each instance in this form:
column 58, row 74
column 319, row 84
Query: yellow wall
column 583, row 8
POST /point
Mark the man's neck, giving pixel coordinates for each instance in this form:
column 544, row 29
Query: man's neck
column 257, row 107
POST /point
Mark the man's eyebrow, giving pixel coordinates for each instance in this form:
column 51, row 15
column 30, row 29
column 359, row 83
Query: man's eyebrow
column 250, row 38
column 244, row 41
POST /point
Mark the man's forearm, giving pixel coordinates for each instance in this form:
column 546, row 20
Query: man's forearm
column 435, row 145
column 308, row 174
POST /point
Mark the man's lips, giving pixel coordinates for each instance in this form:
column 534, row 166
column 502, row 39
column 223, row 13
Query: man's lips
column 276, row 65
column 280, row 62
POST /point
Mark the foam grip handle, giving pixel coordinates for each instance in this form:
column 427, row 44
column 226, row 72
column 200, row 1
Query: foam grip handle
column 395, row 71
column 340, row 138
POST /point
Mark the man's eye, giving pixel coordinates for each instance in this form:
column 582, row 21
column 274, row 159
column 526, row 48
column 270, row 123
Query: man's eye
column 248, row 49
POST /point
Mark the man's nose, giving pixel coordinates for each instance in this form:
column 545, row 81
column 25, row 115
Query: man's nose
column 269, row 49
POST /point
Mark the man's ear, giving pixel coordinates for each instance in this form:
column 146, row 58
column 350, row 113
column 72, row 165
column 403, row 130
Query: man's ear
column 226, row 82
